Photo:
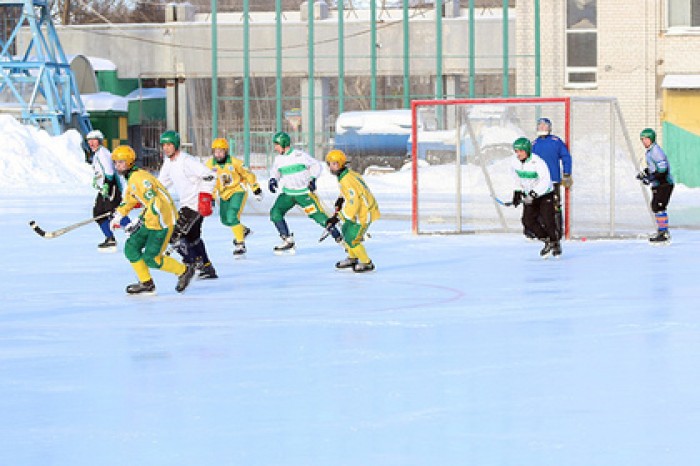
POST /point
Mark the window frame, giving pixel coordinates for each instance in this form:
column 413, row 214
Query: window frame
column 569, row 71
column 682, row 27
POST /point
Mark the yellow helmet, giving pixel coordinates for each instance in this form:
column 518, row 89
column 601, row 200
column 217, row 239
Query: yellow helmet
column 337, row 156
column 220, row 143
column 125, row 153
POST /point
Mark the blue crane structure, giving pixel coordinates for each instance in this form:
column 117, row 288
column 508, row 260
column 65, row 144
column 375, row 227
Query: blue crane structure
column 37, row 84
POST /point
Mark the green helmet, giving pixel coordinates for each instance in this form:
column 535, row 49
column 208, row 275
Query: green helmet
column 170, row 137
column 648, row 133
column 523, row 144
column 282, row 139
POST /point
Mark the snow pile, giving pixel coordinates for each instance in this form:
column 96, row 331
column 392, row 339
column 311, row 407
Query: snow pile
column 30, row 157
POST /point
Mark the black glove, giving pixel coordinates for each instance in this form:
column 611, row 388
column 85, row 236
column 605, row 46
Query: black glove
column 312, row 185
column 272, row 185
column 532, row 194
column 339, row 203
column 644, row 176
column 332, row 221
column 517, row 198
column 257, row 192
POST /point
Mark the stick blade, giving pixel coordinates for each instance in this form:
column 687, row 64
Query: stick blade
column 37, row 229
column 324, row 235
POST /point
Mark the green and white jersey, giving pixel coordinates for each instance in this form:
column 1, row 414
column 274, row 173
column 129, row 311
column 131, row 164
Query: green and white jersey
column 531, row 175
column 294, row 170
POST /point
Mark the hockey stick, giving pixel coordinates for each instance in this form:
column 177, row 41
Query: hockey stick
column 325, row 234
column 327, row 230
column 53, row 234
column 505, row 204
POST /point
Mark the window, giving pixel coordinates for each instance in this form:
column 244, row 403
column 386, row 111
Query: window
column 683, row 13
column 581, row 43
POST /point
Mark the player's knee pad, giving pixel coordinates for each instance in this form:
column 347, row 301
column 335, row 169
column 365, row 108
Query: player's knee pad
column 658, row 207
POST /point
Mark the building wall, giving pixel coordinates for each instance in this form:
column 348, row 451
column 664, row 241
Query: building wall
column 627, row 51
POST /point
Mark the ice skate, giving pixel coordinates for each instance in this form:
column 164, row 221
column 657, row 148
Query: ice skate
column 239, row 249
column 287, row 246
column 347, row 263
column 662, row 238
column 547, row 249
column 207, row 271
column 360, row 267
column 142, row 288
column 108, row 245
column 556, row 249
column 246, row 232
column 184, row 280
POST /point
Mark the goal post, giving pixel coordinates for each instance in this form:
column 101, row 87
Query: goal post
column 461, row 151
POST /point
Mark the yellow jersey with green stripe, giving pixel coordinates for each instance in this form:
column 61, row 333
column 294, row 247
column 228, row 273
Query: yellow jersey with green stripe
column 360, row 205
column 231, row 177
column 159, row 211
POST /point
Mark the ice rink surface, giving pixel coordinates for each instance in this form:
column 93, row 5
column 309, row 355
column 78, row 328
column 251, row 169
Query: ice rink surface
column 457, row 350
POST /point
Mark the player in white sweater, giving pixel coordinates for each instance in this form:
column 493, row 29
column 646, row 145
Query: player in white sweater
column 294, row 173
column 193, row 183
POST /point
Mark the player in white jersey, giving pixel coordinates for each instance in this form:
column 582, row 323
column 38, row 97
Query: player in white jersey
column 535, row 191
column 294, row 173
column 194, row 183
column 109, row 185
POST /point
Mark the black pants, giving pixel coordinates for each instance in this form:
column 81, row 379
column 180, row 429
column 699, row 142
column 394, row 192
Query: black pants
column 107, row 204
column 660, row 195
column 539, row 217
column 191, row 246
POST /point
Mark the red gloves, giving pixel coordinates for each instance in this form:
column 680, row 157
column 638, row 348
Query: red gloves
column 204, row 207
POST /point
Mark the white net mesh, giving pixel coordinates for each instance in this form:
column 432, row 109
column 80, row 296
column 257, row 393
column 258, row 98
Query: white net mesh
column 463, row 153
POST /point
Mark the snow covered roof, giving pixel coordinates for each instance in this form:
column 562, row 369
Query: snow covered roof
column 396, row 121
column 98, row 64
column 105, row 101
column 147, row 93
column 681, row 81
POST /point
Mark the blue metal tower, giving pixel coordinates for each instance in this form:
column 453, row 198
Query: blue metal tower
column 36, row 81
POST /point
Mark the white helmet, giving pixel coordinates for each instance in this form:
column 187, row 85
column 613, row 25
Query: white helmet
column 95, row 134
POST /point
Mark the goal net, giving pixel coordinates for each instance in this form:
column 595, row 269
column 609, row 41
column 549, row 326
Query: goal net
column 461, row 152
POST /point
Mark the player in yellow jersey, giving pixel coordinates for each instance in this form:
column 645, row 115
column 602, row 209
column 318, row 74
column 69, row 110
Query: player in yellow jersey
column 149, row 234
column 232, row 177
column 357, row 207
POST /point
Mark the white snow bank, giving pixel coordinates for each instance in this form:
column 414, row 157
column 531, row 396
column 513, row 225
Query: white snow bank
column 30, row 157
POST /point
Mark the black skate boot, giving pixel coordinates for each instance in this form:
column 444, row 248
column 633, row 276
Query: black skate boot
column 547, row 249
column 147, row 287
column 556, row 249
column 661, row 238
column 184, row 280
column 247, row 231
column 108, row 245
column 239, row 249
column 207, row 271
column 362, row 267
column 347, row 263
column 287, row 246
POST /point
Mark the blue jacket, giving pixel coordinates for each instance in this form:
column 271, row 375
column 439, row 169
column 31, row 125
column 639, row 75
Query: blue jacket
column 554, row 152
column 657, row 162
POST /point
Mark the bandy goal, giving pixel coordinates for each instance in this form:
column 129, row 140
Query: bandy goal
column 461, row 149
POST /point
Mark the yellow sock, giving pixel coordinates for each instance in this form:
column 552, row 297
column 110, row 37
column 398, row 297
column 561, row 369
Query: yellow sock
column 360, row 253
column 173, row 266
column 141, row 269
column 239, row 232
